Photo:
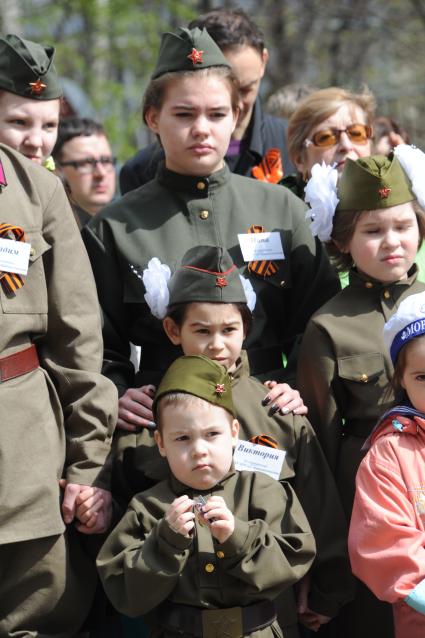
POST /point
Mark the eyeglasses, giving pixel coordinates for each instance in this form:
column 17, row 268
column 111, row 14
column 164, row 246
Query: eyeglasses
column 357, row 133
column 88, row 164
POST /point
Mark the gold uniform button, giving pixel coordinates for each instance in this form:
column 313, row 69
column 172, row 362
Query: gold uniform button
column 209, row 567
column 204, row 214
column 200, row 186
column 364, row 378
column 220, row 554
column 32, row 252
column 369, row 284
column 387, row 294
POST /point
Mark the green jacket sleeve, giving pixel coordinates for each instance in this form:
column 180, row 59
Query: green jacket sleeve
column 269, row 552
column 141, row 561
column 318, row 383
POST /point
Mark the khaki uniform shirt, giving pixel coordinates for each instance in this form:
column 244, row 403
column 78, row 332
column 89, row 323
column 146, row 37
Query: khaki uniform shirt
column 344, row 370
column 144, row 562
column 56, row 420
column 137, row 465
column 173, row 213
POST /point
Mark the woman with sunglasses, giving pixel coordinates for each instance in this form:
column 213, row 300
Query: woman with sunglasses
column 329, row 125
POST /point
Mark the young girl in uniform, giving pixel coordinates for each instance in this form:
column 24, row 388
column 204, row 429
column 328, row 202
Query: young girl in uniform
column 192, row 105
column 387, row 532
column 343, row 367
column 206, row 310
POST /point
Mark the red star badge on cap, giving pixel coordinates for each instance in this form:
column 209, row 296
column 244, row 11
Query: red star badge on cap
column 196, row 56
column 219, row 388
column 37, row 87
column 220, row 282
column 384, row 192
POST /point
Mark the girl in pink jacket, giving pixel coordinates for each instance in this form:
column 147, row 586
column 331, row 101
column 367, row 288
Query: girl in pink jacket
column 387, row 532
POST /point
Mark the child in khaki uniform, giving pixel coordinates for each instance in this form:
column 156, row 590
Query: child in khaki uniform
column 208, row 312
column 215, row 573
column 373, row 226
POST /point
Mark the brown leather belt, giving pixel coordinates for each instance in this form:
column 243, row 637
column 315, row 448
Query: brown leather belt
column 19, row 363
column 233, row 622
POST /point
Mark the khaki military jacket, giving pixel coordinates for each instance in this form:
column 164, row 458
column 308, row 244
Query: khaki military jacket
column 173, row 213
column 56, row 420
column 344, row 370
column 144, row 562
column 137, row 466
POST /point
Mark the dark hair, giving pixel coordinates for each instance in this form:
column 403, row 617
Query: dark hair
column 177, row 312
column 155, row 91
column 343, row 229
column 385, row 125
column 230, row 28
column 70, row 127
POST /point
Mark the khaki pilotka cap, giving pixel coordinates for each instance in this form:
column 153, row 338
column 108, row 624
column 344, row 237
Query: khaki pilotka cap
column 373, row 182
column 27, row 69
column 199, row 376
column 188, row 50
column 207, row 274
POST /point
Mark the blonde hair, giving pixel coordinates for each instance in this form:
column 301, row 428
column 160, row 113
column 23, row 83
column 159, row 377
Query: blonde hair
column 317, row 107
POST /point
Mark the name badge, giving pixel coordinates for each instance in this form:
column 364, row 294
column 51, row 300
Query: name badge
column 260, row 246
column 258, row 458
column 14, row 256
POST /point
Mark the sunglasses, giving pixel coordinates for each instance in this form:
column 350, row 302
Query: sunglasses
column 357, row 133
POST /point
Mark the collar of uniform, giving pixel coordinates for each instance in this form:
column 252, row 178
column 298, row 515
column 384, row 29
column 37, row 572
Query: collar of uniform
column 179, row 488
column 359, row 280
column 242, row 367
column 191, row 183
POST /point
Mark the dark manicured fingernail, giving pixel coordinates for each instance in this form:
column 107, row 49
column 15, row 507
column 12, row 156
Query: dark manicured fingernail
column 274, row 409
column 152, row 425
column 265, row 401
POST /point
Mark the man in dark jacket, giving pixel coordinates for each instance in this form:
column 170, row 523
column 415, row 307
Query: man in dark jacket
column 256, row 132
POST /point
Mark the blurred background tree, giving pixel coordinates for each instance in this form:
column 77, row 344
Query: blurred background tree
column 106, row 50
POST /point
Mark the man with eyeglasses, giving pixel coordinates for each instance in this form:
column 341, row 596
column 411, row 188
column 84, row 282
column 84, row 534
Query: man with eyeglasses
column 85, row 163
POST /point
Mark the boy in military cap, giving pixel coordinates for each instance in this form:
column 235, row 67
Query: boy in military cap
column 30, row 93
column 214, row 546
column 372, row 220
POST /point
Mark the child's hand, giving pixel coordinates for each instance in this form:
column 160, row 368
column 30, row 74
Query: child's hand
column 94, row 510
column 135, row 409
column 284, row 398
column 306, row 616
column 91, row 506
column 180, row 515
column 223, row 525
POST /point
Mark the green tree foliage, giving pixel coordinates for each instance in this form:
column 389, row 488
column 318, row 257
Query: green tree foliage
column 108, row 47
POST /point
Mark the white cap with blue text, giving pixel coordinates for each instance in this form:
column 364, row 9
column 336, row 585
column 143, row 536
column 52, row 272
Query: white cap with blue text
column 406, row 324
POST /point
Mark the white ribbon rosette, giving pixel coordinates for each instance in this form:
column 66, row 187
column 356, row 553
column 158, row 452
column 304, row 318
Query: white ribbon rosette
column 412, row 160
column 251, row 297
column 155, row 279
column 320, row 194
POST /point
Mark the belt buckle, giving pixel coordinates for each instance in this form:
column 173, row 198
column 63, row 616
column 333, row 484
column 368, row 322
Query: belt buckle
column 222, row 623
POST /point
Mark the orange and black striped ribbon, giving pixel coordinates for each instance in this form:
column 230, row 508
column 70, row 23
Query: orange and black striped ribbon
column 263, row 268
column 264, row 439
column 270, row 169
column 10, row 281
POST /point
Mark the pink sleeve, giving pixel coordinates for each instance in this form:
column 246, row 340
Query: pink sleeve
column 385, row 543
